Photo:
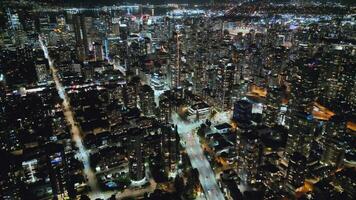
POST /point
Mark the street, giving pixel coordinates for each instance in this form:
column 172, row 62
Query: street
column 197, row 157
column 83, row 154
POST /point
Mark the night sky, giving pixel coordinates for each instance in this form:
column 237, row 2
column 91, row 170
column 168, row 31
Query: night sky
column 110, row 2
column 124, row 1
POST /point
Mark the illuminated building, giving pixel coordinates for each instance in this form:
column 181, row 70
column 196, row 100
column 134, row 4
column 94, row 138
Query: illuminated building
column 152, row 140
column 296, row 171
column 300, row 134
column 123, row 31
column 273, row 103
column 42, row 71
column 13, row 20
column 333, row 153
column 347, row 180
column 242, row 112
column 200, row 78
column 88, row 71
column 48, row 167
column 131, row 93
column 136, row 155
column 270, row 176
column 81, row 37
column 175, row 72
column 165, row 110
column 304, row 82
column 117, row 92
column 58, row 171
column 98, row 51
column 112, row 47
column 224, row 83
column 249, row 158
column 147, row 104
column 199, row 110
column 65, row 53
column 171, row 146
column 279, row 67
column 9, row 189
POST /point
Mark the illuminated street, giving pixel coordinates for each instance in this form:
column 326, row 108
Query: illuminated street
column 83, row 154
column 177, row 100
column 193, row 147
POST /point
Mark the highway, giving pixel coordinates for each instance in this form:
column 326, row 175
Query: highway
column 83, row 154
column 197, row 158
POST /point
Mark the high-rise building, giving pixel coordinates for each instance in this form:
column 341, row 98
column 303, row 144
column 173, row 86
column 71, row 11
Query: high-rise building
column 65, row 53
column 124, row 31
column 176, row 63
column 115, row 27
column 81, row 37
column 136, row 154
column 2, row 96
column 88, row 71
column 58, row 171
column 98, row 51
column 131, row 92
column 47, row 166
column 42, row 71
column 335, row 127
column 112, row 47
column 147, row 103
column 13, row 20
column 170, row 146
column 304, row 87
column 270, row 176
column 228, row 75
column 200, row 79
column 273, row 103
column 333, row 152
column 300, row 135
column 117, row 92
column 165, row 110
column 242, row 112
column 296, row 171
column 250, row 154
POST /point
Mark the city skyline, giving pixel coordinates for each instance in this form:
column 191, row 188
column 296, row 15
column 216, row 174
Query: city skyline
column 181, row 100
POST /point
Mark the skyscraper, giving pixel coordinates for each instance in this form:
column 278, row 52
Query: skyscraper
column 170, row 146
column 249, row 158
column 176, row 65
column 136, row 155
column 200, row 75
column 333, row 152
column 42, row 71
column 165, row 110
column 131, row 92
column 242, row 112
column 98, row 51
column 147, row 103
column 58, row 171
column 296, row 171
column 81, row 37
column 300, row 135
column 228, row 74
column 273, row 102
